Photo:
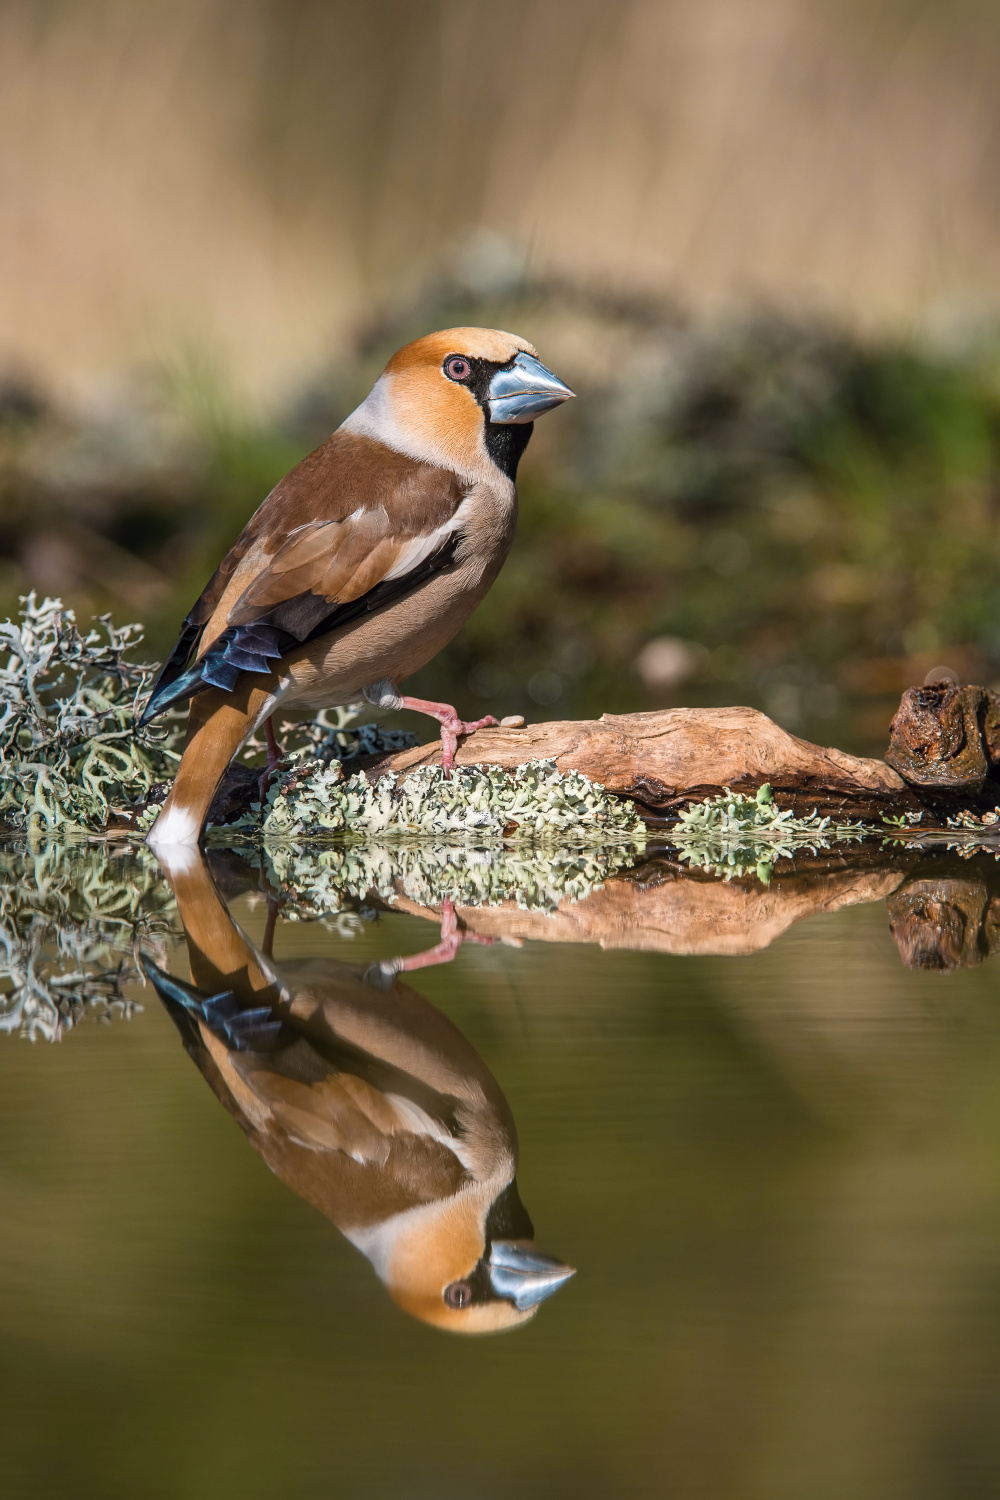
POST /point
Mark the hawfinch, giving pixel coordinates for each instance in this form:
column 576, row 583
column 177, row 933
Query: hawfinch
column 363, row 562
column 369, row 1104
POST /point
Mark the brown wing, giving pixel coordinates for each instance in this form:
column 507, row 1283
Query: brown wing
column 351, row 515
column 353, row 526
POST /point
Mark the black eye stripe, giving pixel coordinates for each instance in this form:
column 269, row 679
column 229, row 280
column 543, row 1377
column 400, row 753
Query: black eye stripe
column 503, row 444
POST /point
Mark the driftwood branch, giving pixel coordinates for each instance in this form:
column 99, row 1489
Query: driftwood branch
column 944, row 748
column 662, row 759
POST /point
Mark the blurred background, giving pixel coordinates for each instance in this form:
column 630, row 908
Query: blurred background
column 760, row 237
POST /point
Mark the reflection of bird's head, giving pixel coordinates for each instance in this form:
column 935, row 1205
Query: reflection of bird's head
column 464, row 398
column 464, row 1264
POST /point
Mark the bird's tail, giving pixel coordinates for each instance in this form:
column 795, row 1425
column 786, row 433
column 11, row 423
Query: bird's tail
column 240, row 1028
column 243, row 648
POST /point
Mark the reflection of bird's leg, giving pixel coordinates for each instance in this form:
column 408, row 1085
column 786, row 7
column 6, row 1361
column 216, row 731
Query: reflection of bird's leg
column 442, row 952
column 452, row 938
column 267, row 941
column 451, row 725
column 274, row 757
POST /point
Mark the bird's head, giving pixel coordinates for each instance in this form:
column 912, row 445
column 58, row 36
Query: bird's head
column 468, row 1267
column 464, row 398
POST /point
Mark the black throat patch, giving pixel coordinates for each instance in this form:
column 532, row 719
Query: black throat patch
column 505, row 441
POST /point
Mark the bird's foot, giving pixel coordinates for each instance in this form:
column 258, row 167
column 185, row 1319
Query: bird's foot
column 451, row 725
column 452, row 937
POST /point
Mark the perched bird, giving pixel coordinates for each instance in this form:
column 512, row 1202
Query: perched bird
column 363, row 562
column 369, row 1104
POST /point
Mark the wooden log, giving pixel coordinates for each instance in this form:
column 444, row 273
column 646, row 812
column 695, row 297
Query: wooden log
column 945, row 742
column 665, row 758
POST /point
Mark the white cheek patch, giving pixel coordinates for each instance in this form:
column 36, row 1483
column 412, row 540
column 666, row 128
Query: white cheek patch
column 375, row 418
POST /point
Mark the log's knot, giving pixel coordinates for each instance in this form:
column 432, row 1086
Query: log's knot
column 944, row 735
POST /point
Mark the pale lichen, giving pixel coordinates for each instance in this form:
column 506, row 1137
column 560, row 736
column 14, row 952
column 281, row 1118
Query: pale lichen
column 535, row 803
column 732, row 835
column 69, row 748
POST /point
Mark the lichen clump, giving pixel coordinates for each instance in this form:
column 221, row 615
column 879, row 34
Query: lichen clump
column 534, row 803
column 69, row 750
column 735, row 835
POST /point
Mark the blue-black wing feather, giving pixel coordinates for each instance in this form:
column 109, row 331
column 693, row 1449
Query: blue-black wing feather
column 243, row 1028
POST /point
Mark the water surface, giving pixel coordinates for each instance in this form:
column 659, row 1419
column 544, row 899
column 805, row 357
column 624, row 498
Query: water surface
column 768, row 1143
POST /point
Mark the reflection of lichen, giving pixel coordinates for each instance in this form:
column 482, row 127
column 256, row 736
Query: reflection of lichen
column 69, row 919
column 733, row 835
column 536, row 803
column 320, row 881
column 69, row 750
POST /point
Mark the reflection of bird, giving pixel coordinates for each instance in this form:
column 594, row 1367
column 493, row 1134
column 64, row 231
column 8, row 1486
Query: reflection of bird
column 371, row 1105
column 363, row 562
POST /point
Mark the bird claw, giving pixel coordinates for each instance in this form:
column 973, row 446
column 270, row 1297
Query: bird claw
column 452, row 727
column 452, row 938
column 452, row 732
column 267, row 775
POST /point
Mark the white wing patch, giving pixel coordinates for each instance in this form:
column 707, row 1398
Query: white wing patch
column 422, row 546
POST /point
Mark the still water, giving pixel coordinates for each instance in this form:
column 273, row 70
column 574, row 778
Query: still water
column 762, row 1123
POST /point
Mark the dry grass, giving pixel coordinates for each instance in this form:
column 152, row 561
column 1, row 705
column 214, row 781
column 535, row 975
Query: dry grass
column 250, row 175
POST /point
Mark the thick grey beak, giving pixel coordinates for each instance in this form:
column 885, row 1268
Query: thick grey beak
column 523, row 1275
column 525, row 390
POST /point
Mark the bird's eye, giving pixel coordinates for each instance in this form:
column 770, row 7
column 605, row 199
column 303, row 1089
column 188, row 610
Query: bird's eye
column 457, row 368
column 459, row 1294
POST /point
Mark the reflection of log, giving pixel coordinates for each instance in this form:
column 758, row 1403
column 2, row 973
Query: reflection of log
column 939, row 924
column 946, row 914
column 679, row 753
column 664, row 910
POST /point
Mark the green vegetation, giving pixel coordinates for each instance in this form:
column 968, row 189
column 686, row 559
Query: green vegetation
column 322, row 882
column 794, row 504
column 69, row 922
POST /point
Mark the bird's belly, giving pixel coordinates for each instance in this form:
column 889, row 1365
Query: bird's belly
column 393, row 643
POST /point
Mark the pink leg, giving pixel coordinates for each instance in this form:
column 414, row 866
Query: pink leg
column 274, row 761
column 443, row 952
column 451, row 725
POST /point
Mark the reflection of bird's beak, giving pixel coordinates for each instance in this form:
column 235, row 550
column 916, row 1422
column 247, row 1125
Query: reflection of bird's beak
column 524, row 391
column 523, row 1275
